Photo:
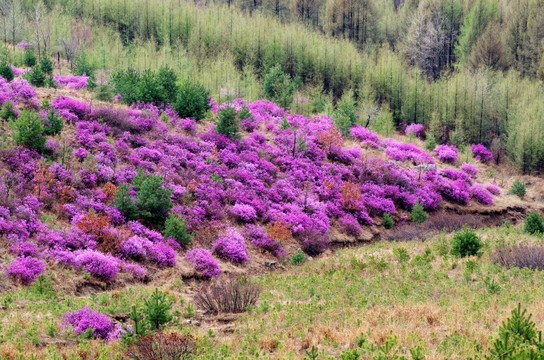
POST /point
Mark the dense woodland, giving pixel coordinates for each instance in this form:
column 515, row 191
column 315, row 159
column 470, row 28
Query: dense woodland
column 471, row 71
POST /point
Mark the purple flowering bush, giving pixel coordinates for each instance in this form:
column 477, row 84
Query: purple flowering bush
column 25, row 269
column 416, row 129
column 231, row 246
column 83, row 319
column 470, row 169
column 203, row 261
column 260, row 238
column 103, row 266
column 480, row 193
column 446, row 153
column 244, row 213
column 480, row 152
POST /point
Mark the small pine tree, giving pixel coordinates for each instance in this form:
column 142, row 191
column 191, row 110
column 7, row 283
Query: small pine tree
column 227, row 123
column 534, row 223
column 388, row 220
column 6, row 71
column 153, row 201
column 8, row 111
column 125, row 202
column 430, row 143
column 29, row 59
column 344, row 117
column 54, row 123
column 46, row 65
column 103, row 92
column 30, row 130
column 278, row 87
column 298, row 257
column 157, row 310
column 418, row 214
column 176, row 227
column 519, row 188
column 466, row 243
column 36, row 77
column 192, row 100
column 285, row 124
column 139, row 326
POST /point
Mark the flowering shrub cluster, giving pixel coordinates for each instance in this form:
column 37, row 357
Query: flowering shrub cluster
column 25, row 269
column 446, row 153
column 277, row 182
column 203, row 261
column 480, row 152
column 231, row 246
column 469, row 169
column 71, row 82
column 416, row 129
column 85, row 318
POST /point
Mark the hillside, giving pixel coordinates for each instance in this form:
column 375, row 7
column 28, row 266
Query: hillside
column 104, row 202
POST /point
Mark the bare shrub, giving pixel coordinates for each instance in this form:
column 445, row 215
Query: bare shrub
column 520, row 256
column 162, row 346
column 118, row 121
column 434, row 224
column 232, row 295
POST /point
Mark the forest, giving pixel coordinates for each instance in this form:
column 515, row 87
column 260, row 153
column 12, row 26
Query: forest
column 470, row 71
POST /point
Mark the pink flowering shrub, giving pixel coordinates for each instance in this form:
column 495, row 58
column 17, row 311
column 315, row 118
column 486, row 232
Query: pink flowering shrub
column 350, row 224
column 260, row 238
column 100, row 265
column 364, row 135
column 480, row 152
column 231, row 246
column 446, row 153
column 416, row 129
column 243, row 212
column 203, row 261
column 479, row 193
column 400, row 151
column 25, row 269
column 71, row 82
column 83, row 319
column 470, row 169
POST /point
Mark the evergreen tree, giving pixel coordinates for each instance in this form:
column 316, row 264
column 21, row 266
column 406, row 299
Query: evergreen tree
column 227, row 122
column 6, row 71
column 54, row 123
column 46, row 65
column 176, row 227
column 192, row 100
column 157, row 309
column 30, row 130
column 278, row 87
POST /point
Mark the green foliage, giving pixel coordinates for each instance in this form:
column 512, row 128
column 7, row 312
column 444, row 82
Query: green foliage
column 138, row 324
column 518, row 338
column 534, row 223
column 466, row 243
column 344, row 117
column 157, row 310
column 192, row 100
column 103, row 92
column 6, row 72
column 82, row 66
column 8, row 111
column 176, row 227
column 36, row 77
column 401, row 254
column 167, row 80
column 278, row 87
column 298, row 257
column 29, row 59
column 153, row 200
column 228, row 123
column 387, row 222
column 518, row 188
column 284, row 124
column 30, row 130
column 430, row 142
column 312, row 354
column 125, row 203
column 126, row 83
column 418, row 214
column 54, row 123
column 46, row 65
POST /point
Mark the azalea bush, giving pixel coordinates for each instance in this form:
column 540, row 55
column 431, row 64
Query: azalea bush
column 25, row 268
column 203, row 261
column 480, row 152
column 88, row 320
column 446, row 153
column 231, row 246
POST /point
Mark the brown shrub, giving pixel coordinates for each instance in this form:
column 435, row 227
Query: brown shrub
column 520, row 256
column 435, row 224
column 118, row 121
column 162, row 346
column 232, row 295
column 99, row 226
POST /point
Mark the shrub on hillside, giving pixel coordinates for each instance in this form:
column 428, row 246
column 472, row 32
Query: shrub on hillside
column 203, row 261
column 446, row 153
column 520, row 256
column 469, row 169
column 46, row 65
column 227, row 122
column 25, row 269
column 103, row 92
column 176, row 227
column 8, row 111
column 192, row 100
column 231, row 246
column 243, row 212
column 466, row 243
column 298, row 257
column 88, row 320
column 100, row 265
column 36, row 77
column 232, row 295
column 29, row 58
column 260, row 238
column 387, row 220
column 162, row 346
column 6, row 71
column 518, row 188
column 30, row 131
column 480, row 152
column 418, row 214
column 278, row 87
column 534, row 224
column 53, row 123
column 344, row 117
column 157, row 310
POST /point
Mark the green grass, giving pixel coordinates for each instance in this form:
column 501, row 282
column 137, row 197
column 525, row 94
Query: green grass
column 396, row 296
